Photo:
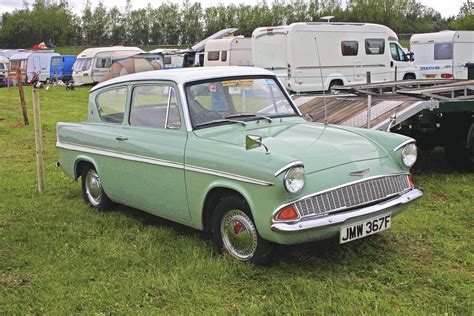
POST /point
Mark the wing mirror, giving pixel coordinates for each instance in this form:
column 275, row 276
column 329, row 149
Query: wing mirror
column 254, row 141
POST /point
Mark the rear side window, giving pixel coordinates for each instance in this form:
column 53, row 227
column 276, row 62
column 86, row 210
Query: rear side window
column 111, row 105
column 212, row 56
column 443, row 51
column 56, row 61
column 375, row 46
column 103, row 63
column 2, row 66
column 349, row 48
column 224, row 55
column 154, row 106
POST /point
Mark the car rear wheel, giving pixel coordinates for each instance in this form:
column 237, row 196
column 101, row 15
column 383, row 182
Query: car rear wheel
column 92, row 190
column 235, row 233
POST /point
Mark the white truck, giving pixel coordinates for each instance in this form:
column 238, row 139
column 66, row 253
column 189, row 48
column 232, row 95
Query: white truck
column 314, row 56
column 34, row 61
column 229, row 51
column 443, row 54
column 92, row 63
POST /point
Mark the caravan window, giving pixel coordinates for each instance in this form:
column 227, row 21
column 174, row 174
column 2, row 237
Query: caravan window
column 443, row 51
column 224, row 55
column 167, row 60
column 2, row 66
column 375, row 46
column 350, row 48
column 103, row 62
column 213, row 56
column 82, row 64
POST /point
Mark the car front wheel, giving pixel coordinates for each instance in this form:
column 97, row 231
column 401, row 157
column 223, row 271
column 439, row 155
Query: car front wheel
column 92, row 190
column 234, row 232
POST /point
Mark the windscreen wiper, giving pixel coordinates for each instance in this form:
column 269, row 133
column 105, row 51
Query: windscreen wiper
column 250, row 115
column 214, row 122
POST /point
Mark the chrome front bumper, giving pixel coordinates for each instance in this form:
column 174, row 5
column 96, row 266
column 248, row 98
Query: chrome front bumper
column 340, row 218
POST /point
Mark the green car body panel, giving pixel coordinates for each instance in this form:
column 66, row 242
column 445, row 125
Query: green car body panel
column 171, row 172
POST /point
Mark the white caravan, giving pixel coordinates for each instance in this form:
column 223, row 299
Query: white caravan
column 3, row 67
column 231, row 51
column 443, row 54
column 35, row 61
column 300, row 54
column 92, row 63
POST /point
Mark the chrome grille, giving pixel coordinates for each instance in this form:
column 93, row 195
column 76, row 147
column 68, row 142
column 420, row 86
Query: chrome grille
column 353, row 195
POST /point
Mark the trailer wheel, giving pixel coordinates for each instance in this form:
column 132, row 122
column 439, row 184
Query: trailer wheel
column 409, row 77
column 335, row 83
column 460, row 152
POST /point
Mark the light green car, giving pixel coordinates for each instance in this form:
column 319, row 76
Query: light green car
column 225, row 150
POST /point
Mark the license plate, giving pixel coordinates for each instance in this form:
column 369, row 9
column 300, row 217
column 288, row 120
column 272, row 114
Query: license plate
column 365, row 228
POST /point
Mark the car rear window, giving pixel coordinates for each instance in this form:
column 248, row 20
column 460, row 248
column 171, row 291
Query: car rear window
column 111, row 105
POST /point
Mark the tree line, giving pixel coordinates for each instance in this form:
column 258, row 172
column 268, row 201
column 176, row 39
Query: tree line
column 188, row 23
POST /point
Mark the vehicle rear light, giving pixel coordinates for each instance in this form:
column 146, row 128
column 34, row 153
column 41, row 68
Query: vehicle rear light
column 270, row 30
column 287, row 213
column 411, row 182
column 446, row 76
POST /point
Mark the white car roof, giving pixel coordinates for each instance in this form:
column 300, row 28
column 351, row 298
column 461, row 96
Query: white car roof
column 183, row 75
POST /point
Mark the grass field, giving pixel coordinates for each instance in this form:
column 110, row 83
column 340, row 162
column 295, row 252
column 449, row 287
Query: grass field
column 57, row 256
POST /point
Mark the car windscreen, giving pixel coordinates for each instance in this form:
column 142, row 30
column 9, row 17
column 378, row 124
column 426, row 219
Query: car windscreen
column 222, row 101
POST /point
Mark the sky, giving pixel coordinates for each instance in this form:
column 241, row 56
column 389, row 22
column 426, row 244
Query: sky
column 447, row 8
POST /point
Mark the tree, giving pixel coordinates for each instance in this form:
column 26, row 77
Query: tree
column 465, row 18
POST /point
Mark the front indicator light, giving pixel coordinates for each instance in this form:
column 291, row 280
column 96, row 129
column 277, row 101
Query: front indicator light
column 287, row 213
column 411, row 182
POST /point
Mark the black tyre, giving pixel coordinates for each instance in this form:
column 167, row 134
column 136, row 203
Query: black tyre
column 92, row 190
column 409, row 77
column 234, row 232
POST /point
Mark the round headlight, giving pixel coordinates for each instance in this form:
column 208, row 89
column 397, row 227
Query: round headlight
column 294, row 179
column 409, row 155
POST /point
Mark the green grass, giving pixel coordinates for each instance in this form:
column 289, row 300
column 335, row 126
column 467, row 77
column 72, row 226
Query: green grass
column 57, row 256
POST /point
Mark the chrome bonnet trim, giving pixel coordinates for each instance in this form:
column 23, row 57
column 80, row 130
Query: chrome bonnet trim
column 160, row 162
column 409, row 141
column 288, row 166
column 340, row 218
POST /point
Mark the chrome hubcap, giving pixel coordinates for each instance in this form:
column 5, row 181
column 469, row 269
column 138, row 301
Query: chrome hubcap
column 93, row 187
column 239, row 235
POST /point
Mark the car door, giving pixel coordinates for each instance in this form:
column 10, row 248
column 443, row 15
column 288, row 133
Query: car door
column 151, row 147
column 399, row 61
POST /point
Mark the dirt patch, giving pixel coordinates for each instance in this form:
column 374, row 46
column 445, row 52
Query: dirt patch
column 15, row 281
column 440, row 197
column 4, row 223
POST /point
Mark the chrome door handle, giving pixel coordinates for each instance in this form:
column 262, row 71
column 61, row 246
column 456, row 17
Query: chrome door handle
column 121, row 138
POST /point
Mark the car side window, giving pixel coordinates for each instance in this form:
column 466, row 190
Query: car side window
column 155, row 106
column 111, row 105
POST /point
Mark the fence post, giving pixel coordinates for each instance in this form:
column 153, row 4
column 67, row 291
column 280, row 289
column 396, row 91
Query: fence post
column 22, row 96
column 369, row 99
column 38, row 140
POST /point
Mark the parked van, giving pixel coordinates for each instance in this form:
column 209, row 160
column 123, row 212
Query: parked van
column 230, row 51
column 61, row 67
column 341, row 53
column 3, row 67
column 29, row 62
column 443, row 54
column 92, row 63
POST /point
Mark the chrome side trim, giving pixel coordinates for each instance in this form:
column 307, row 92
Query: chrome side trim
column 340, row 218
column 226, row 175
column 403, row 144
column 160, row 162
column 125, row 156
column 288, row 166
